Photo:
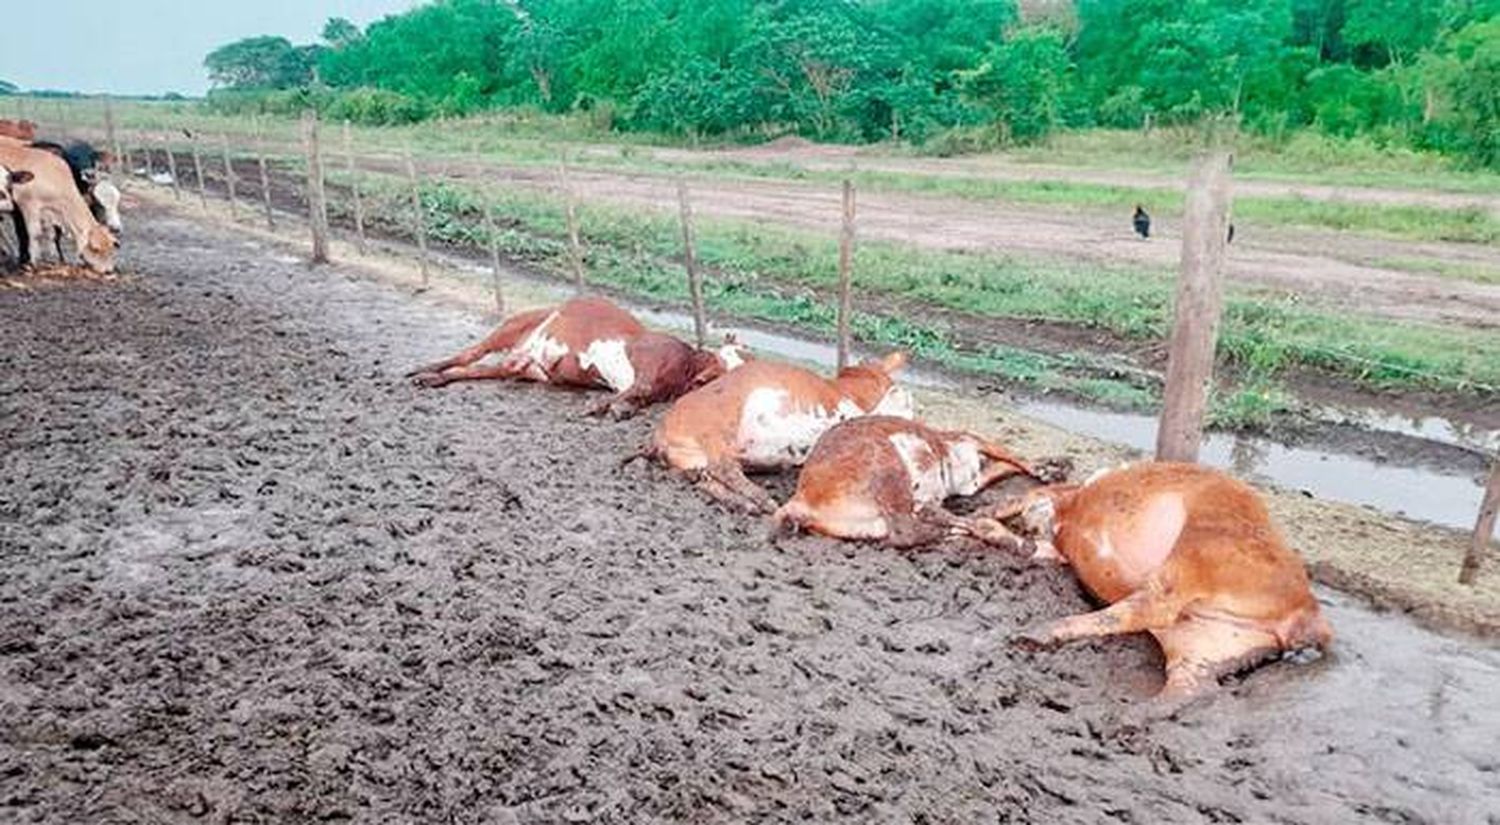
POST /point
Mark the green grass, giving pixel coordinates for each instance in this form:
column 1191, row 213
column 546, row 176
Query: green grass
column 754, row 264
column 528, row 138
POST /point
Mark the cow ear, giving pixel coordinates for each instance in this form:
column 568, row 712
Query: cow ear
column 21, row 176
column 892, row 364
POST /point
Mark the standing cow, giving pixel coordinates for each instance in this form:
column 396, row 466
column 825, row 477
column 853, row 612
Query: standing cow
column 767, row 416
column 1184, row 552
column 587, row 342
column 51, row 199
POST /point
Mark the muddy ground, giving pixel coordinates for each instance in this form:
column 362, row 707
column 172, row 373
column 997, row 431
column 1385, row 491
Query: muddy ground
column 249, row 574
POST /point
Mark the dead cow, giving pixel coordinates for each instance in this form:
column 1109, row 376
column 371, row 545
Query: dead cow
column 587, row 342
column 1182, row 551
column 657, row 368
column 49, row 199
column 768, row 416
column 885, row 479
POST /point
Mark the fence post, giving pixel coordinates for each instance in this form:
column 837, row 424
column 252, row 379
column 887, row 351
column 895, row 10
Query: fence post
column 690, row 260
column 359, row 205
column 420, row 214
column 1484, row 527
column 265, row 179
column 1196, row 308
column 317, row 207
column 490, row 234
column 146, row 150
column 198, row 172
column 230, row 178
column 172, row 169
column 846, row 266
column 109, row 135
column 575, row 247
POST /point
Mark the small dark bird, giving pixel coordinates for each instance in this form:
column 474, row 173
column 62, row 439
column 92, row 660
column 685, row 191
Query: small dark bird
column 1230, row 239
column 187, row 134
column 1142, row 222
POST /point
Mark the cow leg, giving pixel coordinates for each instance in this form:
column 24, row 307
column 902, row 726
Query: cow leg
column 1146, row 609
column 523, row 369
column 726, row 482
column 926, row 527
column 23, row 236
column 1016, row 505
column 1199, row 651
column 994, row 533
column 506, row 336
column 621, row 405
column 57, row 238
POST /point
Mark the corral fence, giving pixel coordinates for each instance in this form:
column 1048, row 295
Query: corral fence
column 288, row 174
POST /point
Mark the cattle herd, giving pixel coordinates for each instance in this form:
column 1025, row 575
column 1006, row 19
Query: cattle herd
column 55, row 192
column 1183, row 552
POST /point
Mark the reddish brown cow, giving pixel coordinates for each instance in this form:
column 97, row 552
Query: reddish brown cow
column 23, row 130
column 587, row 342
column 885, row 478
column 767, row 416
column 1186, row 553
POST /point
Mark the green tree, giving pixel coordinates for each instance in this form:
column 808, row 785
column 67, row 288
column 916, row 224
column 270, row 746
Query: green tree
column 1023, row 80
column 265, row 62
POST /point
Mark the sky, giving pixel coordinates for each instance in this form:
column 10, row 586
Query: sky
column 151, row 46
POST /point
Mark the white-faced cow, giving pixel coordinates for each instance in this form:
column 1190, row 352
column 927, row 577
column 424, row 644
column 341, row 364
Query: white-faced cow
column 587, row 342
column 881, row 478
column 767, row 416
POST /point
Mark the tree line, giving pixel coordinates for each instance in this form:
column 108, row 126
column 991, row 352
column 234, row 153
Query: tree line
column 1417, row 73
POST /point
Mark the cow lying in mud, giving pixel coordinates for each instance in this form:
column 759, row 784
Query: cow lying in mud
column 767, row 416
column 588, row 342
column 883, row 478
column 1184, row 552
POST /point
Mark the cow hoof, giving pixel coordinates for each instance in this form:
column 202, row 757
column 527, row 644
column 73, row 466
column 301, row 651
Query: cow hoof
column 1034, row 639
column 428, row 379
column 1054, row 470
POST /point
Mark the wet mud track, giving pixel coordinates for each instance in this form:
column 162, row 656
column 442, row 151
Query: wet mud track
column 248, row 574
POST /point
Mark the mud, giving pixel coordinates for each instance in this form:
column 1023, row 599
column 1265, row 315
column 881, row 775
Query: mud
column 251, row 575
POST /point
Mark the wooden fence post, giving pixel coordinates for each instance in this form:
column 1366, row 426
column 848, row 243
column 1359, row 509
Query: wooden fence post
column 491, row 235
column 172, row 169
column 109, row 135
column 690, row 260
column 1196, row 308
column 198, row 172
column 420, row 215
column 1484, row 527
column 359, row 204
column 575, row 246
column 846, row 267
column 317, row 207
column 230, row 178
column 146, row 150
column 265, row 179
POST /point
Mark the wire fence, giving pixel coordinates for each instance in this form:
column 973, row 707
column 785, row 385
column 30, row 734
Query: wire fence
column 362, row 191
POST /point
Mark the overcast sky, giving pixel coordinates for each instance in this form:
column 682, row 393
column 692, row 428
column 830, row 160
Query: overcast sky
column 150, row 46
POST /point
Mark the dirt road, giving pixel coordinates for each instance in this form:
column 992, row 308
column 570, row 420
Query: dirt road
column 1340, row 271
column 250, row 574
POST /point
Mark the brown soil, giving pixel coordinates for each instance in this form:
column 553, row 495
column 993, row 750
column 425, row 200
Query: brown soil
column 252, row 575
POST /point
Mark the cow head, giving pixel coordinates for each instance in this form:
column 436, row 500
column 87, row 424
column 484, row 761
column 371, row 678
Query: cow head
column 98, row 249
column 709, row 364
column 871, row 385
column 7, row 180
column 104, row 199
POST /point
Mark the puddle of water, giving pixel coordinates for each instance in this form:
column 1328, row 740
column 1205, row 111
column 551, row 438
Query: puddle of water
column 1451, row 500
column 1437, row 430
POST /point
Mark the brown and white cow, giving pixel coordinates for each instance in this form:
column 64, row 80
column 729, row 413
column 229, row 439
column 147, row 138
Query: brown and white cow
column 50, row 199
column 884, row 478
column 1184, row 552
column 768, row 416
column 587, row 342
